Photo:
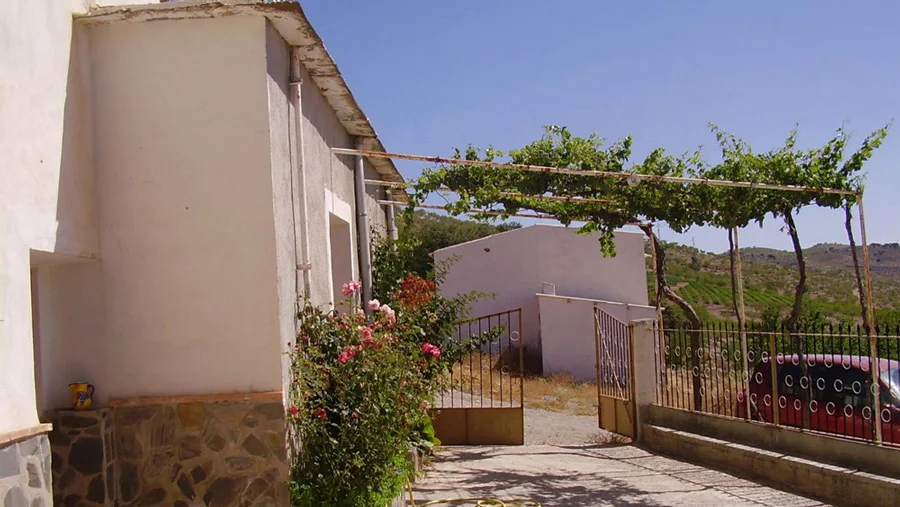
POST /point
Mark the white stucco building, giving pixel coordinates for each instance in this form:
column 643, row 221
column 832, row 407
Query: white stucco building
column 556, row 277
column 167, row 192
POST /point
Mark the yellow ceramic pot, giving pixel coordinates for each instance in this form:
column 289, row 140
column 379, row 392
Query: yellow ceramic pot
column 82, row 395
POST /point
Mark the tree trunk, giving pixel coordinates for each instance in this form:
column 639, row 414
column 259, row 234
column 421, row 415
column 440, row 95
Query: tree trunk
column 691, row 314
column 797, row 345
column 848, row 224
column 736, row 282
column 664, row 287
column 800, row 290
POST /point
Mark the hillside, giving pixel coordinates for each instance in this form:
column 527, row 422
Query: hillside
column 703, row 278
column 770, row 276
column 832, row 257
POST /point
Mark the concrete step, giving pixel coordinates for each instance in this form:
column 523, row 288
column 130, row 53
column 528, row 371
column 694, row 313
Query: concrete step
column 829, row 483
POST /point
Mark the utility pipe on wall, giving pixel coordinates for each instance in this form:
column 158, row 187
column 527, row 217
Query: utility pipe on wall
column 301, row 244
column 364, row 242
column 391, row 220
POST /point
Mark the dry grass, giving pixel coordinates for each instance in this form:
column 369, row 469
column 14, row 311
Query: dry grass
column 482, row 377
column 719, row 392
column 560, row 393
column 609, row 438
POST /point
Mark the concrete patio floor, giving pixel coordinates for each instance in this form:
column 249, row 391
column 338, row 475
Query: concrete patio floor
column 589, row 475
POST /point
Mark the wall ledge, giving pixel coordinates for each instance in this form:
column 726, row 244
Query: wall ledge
column 273, row 396
column 11, row 437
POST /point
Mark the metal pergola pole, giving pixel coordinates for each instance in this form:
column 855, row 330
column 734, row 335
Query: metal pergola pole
column 512, row 195
column 874, row 367
column 602, row 174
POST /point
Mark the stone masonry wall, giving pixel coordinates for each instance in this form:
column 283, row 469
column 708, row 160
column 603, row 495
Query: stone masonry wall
column 25, row 473
column 180, row 454
column 81, row 460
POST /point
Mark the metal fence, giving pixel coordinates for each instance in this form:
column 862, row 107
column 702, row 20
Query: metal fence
column 613, row 356
column 820, row 379
column 493, row 375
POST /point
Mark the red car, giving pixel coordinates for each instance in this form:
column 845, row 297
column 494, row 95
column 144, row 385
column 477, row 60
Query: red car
column 836, row 394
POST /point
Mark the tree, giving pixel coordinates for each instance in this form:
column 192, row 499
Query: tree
column 433, row 232
column 604, row 204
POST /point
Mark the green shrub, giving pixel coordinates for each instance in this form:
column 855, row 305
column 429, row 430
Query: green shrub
column 362, row 382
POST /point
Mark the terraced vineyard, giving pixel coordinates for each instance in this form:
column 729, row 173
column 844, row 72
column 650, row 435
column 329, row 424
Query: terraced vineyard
column 709, row 294
column 704, row 280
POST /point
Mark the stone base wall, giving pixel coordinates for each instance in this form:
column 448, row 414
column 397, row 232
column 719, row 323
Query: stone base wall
column 182, row 454
column 25, row 473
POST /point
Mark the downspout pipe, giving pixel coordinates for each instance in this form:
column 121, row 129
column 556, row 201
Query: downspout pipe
column 300, row 209
column 364, row 241
column 391, row 219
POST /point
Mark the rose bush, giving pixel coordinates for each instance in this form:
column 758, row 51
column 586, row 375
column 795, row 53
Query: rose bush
column 361, row 385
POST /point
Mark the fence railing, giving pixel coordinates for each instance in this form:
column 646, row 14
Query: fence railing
column 821, row 379
column 491, row 376
column 613, row 356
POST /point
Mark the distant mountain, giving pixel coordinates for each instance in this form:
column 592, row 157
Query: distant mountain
column 885, row 259
column 770, row 275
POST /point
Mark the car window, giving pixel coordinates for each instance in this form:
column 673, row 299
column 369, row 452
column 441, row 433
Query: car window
column 789, row 380
column 839, row 385
column 821, row 380
column 891, row 395
column 855, row 384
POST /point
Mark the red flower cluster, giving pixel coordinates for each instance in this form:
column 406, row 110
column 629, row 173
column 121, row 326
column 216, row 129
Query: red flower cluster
column 320, row 413
column 432, row 350
column 371, row 343
column 346, row 355
column 414, row 292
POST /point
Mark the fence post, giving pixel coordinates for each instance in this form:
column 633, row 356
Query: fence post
column 773, row 369
column 644, row 370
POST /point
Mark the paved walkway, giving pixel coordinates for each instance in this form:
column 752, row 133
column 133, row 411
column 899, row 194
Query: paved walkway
column 592, row 475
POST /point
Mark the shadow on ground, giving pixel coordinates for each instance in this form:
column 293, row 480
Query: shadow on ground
column 588, row 476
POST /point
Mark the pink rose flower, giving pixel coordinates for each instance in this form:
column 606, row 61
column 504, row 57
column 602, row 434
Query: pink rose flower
column 320, row 413
column 432, row 350
column 389, row 314
column 346, row 355
column 294, row 410
column 349, row 288
column 374, row 305
column 365, row 332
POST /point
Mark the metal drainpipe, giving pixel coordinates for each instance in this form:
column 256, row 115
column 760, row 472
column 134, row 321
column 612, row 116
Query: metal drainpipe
column 364, row 242
column 391, row 220
column 300, row 244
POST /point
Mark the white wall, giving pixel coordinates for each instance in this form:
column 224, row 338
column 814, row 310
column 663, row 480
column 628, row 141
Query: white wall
column 567, row 332
column 47, row 199
column 285, row 191
column 514, row 265
column 499, row 265
column 69, row 329
column 187, row 222
column 576, row 265
column 184, row 185
column 329, row 183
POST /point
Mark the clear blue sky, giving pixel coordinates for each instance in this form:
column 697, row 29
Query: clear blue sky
column 437, row 75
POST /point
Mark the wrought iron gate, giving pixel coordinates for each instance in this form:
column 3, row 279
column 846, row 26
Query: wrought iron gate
column 485, row 403
column 615, row 382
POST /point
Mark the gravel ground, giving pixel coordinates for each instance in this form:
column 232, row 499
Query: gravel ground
column 559, row 428
column 546, row 427
column 590, row 476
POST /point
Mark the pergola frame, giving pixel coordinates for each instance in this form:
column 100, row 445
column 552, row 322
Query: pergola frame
column 636, row 179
